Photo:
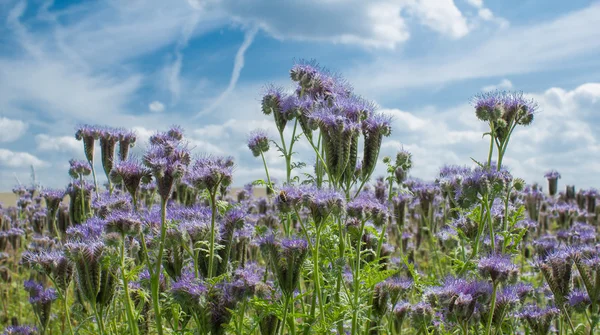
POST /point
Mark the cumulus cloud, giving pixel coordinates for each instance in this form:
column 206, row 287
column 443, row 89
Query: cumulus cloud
column 548, row 44
column 372, row 24
column 11, row 130
column 13, row 159
column 441, row 16
column 156, row 107
column 66, row 144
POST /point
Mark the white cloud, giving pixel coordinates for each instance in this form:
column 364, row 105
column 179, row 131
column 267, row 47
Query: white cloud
column 372, row 24
column 442, row 16
column 58, row 143
column 156, row 107
column 504, row 84
column 543, row 46
column 476, row 3
column 13, row 159
column 11, row 130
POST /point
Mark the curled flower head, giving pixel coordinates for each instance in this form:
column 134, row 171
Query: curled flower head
column 276, row 102
column 322, row 203
column 497, row 267
column 53, row 198
column 318, row 82
column 79, row 169
column 124, row 223
column 287, row 258
column 88, row 134
column 258, row 142
column 188, row 291
column 579, row 300
column 127, row 140
column 167, row 158
column 131, row 173
column 365, row 206
column 539, row 319
column 211, row 173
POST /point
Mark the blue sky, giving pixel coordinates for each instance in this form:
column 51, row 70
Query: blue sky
column 203, row 64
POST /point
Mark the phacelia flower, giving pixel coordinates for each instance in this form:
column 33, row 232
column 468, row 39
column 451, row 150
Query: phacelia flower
column 127, row 140
column 211, row 173
column 497, row 267
column 365, row 206
column 258, row 142
column 287, row 258
column 167, row 158
column 79, row 169
column 322, row 203
column 553, row 176
column 20, row 330
column 131, row 173
column 88, row 134
column 539, row 319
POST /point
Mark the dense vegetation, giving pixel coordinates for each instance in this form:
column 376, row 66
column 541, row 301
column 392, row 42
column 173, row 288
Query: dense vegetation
column 165, row 247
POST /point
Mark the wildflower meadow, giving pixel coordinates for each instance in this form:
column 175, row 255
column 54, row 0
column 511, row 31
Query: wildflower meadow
column 167, row 246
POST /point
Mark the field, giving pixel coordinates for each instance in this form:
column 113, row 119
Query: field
column 8, row 199
column 168, row 247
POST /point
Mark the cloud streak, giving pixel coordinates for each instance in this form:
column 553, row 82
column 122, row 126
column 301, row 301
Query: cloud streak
column 238, row 65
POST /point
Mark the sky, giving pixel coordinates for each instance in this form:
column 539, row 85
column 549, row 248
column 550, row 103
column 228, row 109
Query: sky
column 203, row 64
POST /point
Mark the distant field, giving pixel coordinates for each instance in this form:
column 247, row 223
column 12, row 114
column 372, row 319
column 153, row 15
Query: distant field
column 9, row 199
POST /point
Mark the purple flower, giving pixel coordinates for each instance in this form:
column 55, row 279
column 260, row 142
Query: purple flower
column 366, row 206
column 290, row 197
column 210, row 173
column 426, row 193
column 497, row 267
column 20, row 330
column 79, row 169
column 322, row 203
column 274, row 102
column 508, row 106
column 579, row 300
column 287, row 258
column 109, row 137
column 88, row 134
column 127, row 140
column 318, row 82
column 421, row 315
column 53, row 198
column 552, row 174
column 188, row 291
column 124, row 223
column 131, row 173
column 167, row 158
column 539, row 319
column 258, row 142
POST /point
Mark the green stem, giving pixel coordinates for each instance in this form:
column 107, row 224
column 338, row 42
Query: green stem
column 129, row 310
column 269, row 185
column 355, row 326
column 95, row 180
column 488, row 328
column 156, row 275
column 489, row 162
column 213, row 208
column 316, row 274
column 285, row 311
